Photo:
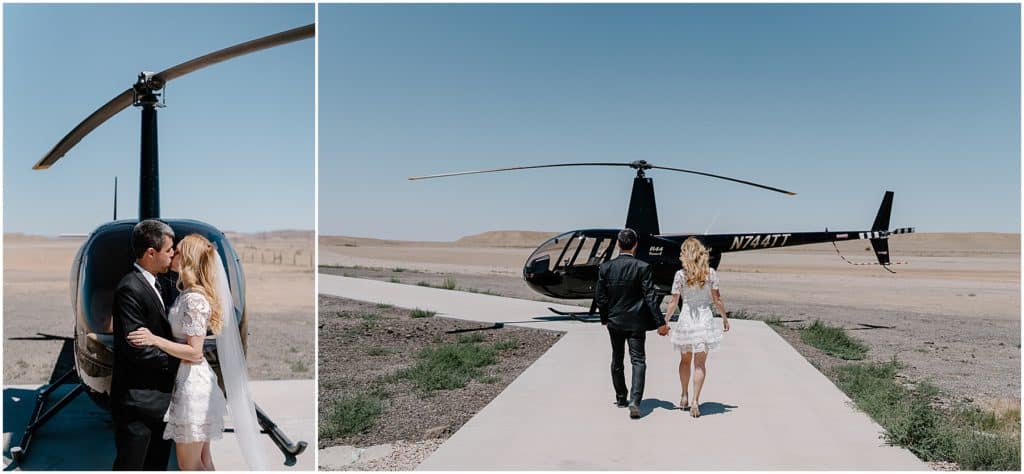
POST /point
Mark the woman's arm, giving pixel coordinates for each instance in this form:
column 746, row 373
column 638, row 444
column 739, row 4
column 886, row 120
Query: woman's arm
column 191, row 352
column 672, row 303
column 716, row 299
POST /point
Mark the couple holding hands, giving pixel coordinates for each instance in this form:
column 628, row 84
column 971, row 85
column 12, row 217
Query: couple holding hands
column 630, row 307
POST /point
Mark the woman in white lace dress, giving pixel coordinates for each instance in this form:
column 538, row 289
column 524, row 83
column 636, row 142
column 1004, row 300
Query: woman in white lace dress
column 196, row 413
column 695, row 333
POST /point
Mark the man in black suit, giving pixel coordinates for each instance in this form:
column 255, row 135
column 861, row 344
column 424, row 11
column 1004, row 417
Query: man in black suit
column 629, row 307
column 143, row 377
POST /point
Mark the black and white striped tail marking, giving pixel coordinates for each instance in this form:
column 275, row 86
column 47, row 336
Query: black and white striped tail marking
column 881, row 234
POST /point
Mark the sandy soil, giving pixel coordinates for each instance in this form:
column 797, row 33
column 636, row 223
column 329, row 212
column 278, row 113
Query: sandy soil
column 280, row 305
column 954, row 307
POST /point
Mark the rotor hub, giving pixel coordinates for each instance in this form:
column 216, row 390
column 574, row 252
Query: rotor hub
column 146, row 88
column 640, row 166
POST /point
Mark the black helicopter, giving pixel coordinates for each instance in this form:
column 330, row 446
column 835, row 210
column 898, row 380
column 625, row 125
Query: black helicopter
column 106, row 255
column 565, row 266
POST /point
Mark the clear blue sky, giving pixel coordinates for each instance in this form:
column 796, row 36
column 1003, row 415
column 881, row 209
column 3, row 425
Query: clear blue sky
column 236, row 139
column 836, row 102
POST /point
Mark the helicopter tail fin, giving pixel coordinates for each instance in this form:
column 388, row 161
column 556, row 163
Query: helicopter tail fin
column 881, row 245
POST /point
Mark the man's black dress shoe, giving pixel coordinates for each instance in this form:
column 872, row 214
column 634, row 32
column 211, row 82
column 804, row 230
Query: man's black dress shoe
column 634, row 411
column 621, row 403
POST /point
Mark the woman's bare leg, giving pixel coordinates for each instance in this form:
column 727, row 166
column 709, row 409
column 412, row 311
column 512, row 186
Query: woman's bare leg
column 699, row 372
column 207, row 457
column 189, row 456
column 684, row 378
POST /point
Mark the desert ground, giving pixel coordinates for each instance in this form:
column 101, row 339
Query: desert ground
column 280, row 303
column 951, row 312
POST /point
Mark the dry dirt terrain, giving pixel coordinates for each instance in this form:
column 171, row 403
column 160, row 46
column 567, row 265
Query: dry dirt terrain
column 952, row 311
column 280, row 302
column 364, row 345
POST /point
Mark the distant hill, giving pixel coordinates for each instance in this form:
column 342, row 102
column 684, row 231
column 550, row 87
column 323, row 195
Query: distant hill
column 506, row 238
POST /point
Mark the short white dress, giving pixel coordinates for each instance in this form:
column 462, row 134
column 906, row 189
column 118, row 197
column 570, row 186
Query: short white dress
column 696, row 330
column 197, row 408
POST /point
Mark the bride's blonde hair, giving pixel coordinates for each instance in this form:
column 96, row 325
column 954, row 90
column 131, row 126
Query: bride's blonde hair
column 694, row 258
column 198, row 267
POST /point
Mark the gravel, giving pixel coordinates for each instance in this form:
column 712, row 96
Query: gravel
column 351, row 330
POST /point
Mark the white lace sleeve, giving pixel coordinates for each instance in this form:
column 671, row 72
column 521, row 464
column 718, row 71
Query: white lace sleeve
column 713, row 278
column 196, row 314
column 677, row 283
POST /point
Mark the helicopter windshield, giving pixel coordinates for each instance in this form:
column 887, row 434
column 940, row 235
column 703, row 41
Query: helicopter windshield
column 573, row 249
column 106, row 257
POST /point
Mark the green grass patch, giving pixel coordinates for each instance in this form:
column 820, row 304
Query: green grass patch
column 471, row 338
column 506, row 344
column 833, row 341
column 394, row 280
column 398, row 270
column 449, row 366
column 384, row 306
column 422, row 313
column 973, row 439
column 352, row 414
column 424, row 283
column 449, row 283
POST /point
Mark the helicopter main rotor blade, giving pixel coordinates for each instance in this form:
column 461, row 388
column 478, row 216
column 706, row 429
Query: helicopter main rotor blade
column 445, row 175
column 110, row 109
column 783, row 191
column 638, row 165
column 237, row 50
column 126, row 98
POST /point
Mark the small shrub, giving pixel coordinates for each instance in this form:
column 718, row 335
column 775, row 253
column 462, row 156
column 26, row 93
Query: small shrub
column 833, row 341
column 351, row 415
column 421, row 313
column 449, row 283
column 398, row 270
column 424, row 283
column 471, row 338
column 506, row 344
column 394, row 280
column 448, row 366
column 384, row 306
column 299, row 366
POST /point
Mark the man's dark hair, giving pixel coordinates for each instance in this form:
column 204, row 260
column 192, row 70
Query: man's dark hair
column 149, row 234
column 627, row 239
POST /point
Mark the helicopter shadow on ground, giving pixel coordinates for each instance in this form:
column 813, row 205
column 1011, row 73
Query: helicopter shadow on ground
column 79, row 436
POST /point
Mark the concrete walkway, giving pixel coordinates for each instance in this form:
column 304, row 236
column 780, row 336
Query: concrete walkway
column 81, row 436
column 764, row 406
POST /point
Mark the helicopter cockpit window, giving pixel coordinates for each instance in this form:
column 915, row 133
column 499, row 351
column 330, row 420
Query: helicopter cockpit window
column 588, row 251
column 549, row 253
column 99, row 281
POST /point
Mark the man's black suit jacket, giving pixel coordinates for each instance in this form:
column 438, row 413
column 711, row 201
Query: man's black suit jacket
column 143, row 377
column 625, row 295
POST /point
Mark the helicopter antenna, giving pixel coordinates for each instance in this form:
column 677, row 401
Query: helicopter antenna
column 640, row 166
column 115, row 198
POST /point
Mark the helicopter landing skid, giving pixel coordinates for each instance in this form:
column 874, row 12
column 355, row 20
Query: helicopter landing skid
column 39, row 418
column 583, row 317
column 289, row 449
